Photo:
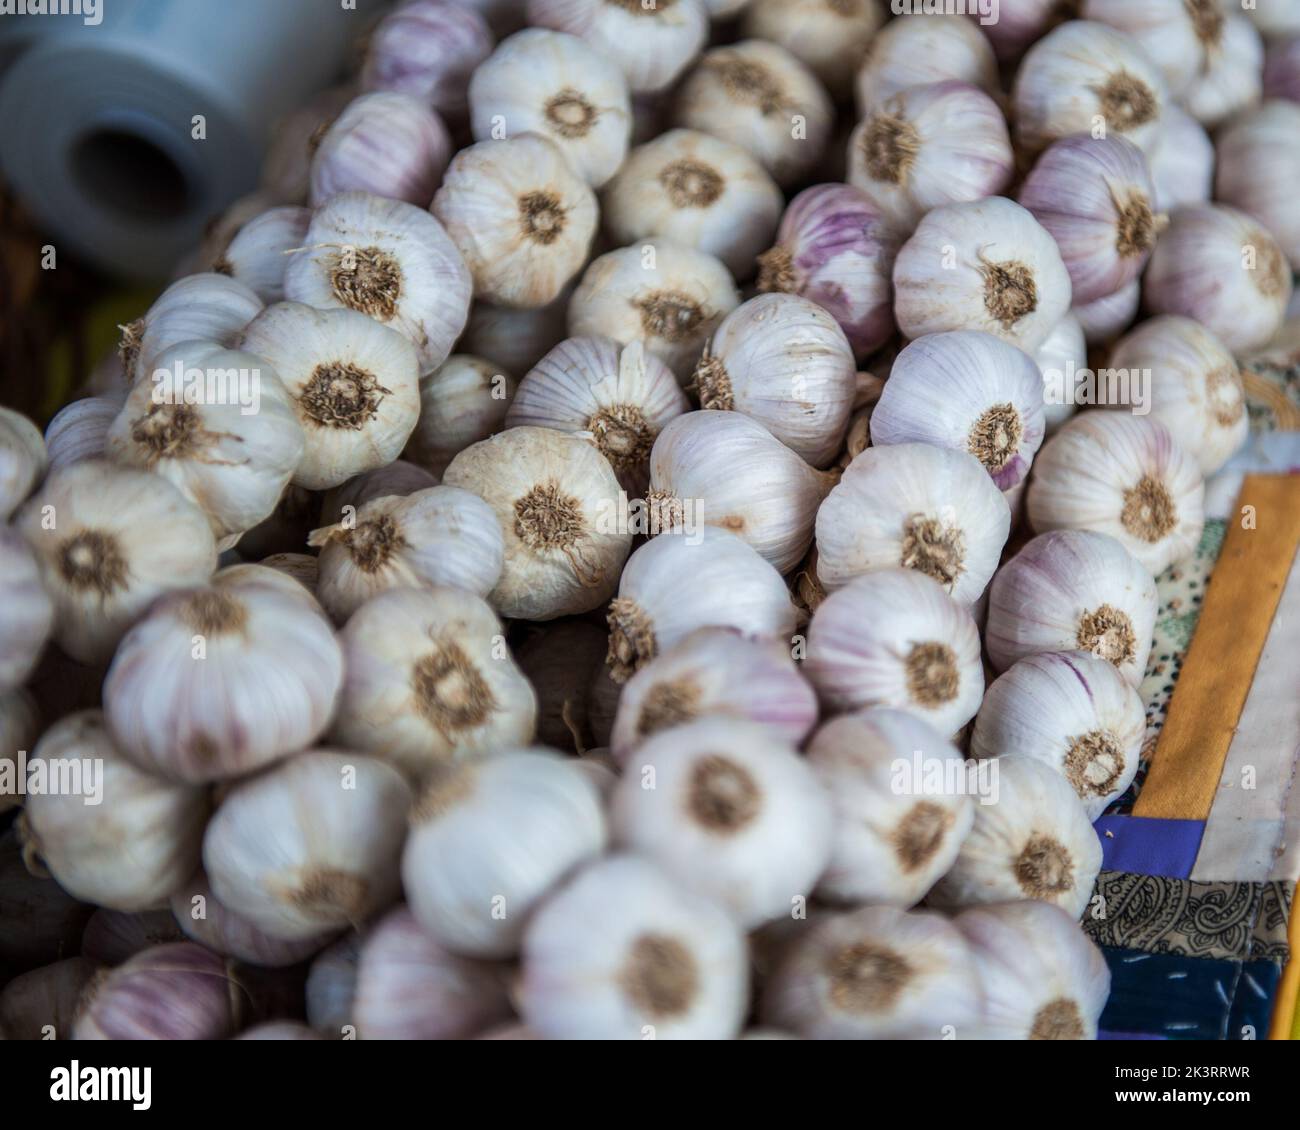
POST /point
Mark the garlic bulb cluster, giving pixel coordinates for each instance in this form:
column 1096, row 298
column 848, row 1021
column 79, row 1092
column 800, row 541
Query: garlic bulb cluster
column 26, row 612
column 520, row 216
column 429, row 678
column 895, row 638
column 80, row 430
column 830, row 39
column 908, row 52
column 23, row 460
column 203, row 919
column 1124, row 476
column 1231, row 80
column 1181, row 161
column 259, row 253
column 463, row 401
column 1258, row 161
column 564, row 662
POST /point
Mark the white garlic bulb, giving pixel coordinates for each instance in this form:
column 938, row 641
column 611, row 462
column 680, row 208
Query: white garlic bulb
column 729, row 585
column 300, row 566
column 875, row 973
column 932, row 509
column 829, row 38
column 397, row 478
column 515, row 340
column 429, row 678
column 671, row 297
column 1231, row 80
column 220, row 681
column 26, row 611
column 79, row 430
column 557, row 85
column 259, row 254
column 1074, row 713
column 895, row 638
column 1101, row 322
column 109, row 541
column 461, row 402
column 907, row 53
column 203, row 919
column 490, row 837
column 623, row 952
column 23, row 459
column 563, row 516
column 123, row 838
column 437, row 536
column 1073, row 589
column 354, row 384
column 1064, row 352
column 562, row 662
column 1182, row 161
column 1124, row 476
column 1258, row 161
column 19, row 728
column 390, row 261
column 311, row 845
column 520, row 216
column 968, row 391
column 1034, row 841
column 1179, row 36
column 759, row 96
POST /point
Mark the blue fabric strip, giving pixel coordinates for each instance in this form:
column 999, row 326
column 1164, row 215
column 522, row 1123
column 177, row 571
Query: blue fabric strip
column 1146, row 845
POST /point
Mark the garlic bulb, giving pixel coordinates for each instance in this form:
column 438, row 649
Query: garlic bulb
column 300, row 566
column 893, row 838
column 927, row 146
column 437, row 536
column 1181, row 161
column 44, row 1001
column 1018, row 24
column 390, row 261
column 907, row 53
column 560, row 87
column 727, row 471
column 1073, row 589
column 760, row 97
column 1180, row 36
column 26, row 613
column 1258, row 162
column 671, row 297
column 835, row 248
column 967, row 391
column 354, row 385
column 1094, row 196
column 113, row 936
column 1034, row 842
column 1282, row 68
column 562, row 663
column 617, row 397
column 520, row 216
column 429, row 678
column 623, row 952
column 1231, row 80
column 563, row 516
column 1124, row 476
column 19, row 727
column 986, row 265
column 650, row 43
column 730, row 586
column 697, row 191
column 206, row 921
column 931, row 509
column 489, row 839
column 461, row 402
column 397, row 478
column 1101, row 322
column 875, row 973
column 109, row 541
column 259, row 254
column 1063, row 353
column 830, row 39
column 286, row 166
column 218, row 682
column 730, row 810
column 332, row 984
column 78, row 430
column 1195, row 386
column 895, row 638
column 23, row 459
column 311, row 845
column 128, row 854
column 515, row 339
column 1042, row 977
column 784, row 361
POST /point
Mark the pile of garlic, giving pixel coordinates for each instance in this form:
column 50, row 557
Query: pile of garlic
column 642, row 574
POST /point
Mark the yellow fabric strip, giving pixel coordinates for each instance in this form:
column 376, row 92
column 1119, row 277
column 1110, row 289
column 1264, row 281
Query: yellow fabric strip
column 1286, row 1018
column 1240, row 601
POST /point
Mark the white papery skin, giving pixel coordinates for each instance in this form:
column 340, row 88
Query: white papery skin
column 830, row 39
column 1033, row 842
column 750, row 93
column 437, row 536
column 928, row 146
column 729, row 472
column 729, row 810
column 1182, row 161
column 1083, row 73
column 429, row 679
column 669, row 296
column 203, row 307
column 1124, row 476
column 908, row 53
column 1232, row 79
column 917, row 506
column 1180, row 36
column 623, row 952
column 563, row 515
column 465, row 400
column 397, row 478
column 1196, row 389
column 311, row 845
column 698, row 191
column 876, row 973
column 895, row 638
column 1258, row 168
column 557, row 85
column 359, row 246
column 1064, row 351
column 23, row 459
column 942, row 389
column 109, row 541
column 490, row 838
column 1073, row 589
column 130, row 850
column 1042, row 977
column 19, row 727
column 715, row 672
column 301, row 567
column 891, row 843
column 1074, row 713
column 966, row 266
column 651, row 45
column 203, row 919
column 218, row 682
column 26, row 612
column 354, row 384
column 78, row 429
column 259, row 253
column 1101, row 322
